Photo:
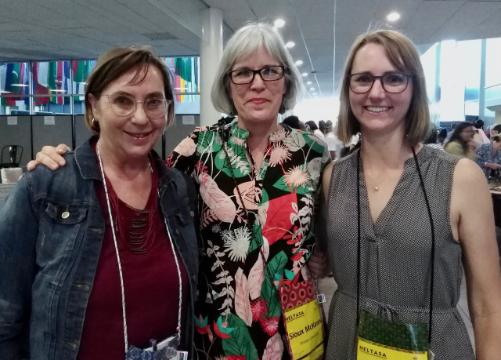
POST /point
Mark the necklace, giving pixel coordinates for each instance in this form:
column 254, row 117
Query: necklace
column 119, row 262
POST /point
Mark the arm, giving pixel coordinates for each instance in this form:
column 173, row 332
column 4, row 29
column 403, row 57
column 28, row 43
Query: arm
column 18, row 233
column 472, row 222
column 184, row 157
column 318, row 263
column 50, row 156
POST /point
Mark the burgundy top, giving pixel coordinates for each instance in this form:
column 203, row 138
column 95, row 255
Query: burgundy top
column 150, row 281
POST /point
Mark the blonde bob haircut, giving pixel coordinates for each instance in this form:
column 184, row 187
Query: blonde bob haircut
column 403, row 55
column 245, row 41
column 115, row 63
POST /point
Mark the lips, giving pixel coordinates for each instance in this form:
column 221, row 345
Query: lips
column 377, row 109
column 258, row 101
column 138, row 136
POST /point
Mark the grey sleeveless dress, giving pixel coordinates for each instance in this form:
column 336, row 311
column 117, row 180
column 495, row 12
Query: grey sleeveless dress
column 395, row 256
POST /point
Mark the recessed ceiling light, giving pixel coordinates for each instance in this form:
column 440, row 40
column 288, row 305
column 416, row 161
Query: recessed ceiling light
column 290, row 44
column 393, row 16
column 309, row 83
column 279, row 23
column 312, row 89
column 305, row 74
column 299, row 62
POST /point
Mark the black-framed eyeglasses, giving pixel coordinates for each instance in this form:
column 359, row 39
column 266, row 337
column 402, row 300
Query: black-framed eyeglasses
column 125, row 105
column 245, row 75
column 393, row 82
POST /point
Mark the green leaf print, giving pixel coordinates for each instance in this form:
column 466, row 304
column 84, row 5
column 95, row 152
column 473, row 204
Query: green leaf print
column 315, row 146
column 282, row 185
column 240, row 342
column 274, row 271
column 257, row 238
column 233, row 165
column 208, row 141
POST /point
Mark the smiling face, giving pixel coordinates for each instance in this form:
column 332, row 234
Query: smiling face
column 377, row 110
column 260, row 101
column 132, row 136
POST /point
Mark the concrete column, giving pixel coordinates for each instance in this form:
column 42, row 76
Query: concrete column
column 211, row 51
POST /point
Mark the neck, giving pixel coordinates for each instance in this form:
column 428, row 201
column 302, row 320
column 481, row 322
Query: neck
column 389, row 151
column 258, row 133
column 119, row 165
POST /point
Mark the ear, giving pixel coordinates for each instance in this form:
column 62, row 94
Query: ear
column 93, row 104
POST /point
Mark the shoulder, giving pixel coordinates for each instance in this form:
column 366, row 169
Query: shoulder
column 468, row 175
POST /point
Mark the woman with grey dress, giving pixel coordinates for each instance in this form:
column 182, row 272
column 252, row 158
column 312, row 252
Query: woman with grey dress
column 403, row 222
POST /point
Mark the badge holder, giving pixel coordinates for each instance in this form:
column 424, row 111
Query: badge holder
column 304, row 323
column 382, row 339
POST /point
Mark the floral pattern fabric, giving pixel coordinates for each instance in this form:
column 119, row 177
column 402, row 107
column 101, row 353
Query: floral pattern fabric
column 256, row 228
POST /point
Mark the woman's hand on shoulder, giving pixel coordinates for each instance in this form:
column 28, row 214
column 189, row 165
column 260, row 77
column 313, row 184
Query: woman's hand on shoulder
column 50, row 156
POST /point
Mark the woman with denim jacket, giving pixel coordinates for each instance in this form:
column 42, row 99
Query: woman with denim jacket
column 99, row 258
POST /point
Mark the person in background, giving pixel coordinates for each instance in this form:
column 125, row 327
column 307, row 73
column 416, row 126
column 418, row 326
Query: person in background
column 258, row 188
column 335, row 146
column 441, row 136
column 312, row 127
column 461, row 141
column 99, row 258
column 495, row 130
column 479, row 138
column 294, row 122
column 489, row 157
column 402, row 220
column 432, row 139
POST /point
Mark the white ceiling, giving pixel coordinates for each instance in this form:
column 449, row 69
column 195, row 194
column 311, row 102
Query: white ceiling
column 49, row 29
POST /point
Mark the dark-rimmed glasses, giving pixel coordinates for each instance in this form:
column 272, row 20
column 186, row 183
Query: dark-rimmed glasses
column 393, row 82
column 126, row 105
column 245, row 75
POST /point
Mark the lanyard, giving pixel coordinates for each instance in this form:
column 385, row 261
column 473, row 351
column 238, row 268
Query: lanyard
column 119, row 262
column 432, row 227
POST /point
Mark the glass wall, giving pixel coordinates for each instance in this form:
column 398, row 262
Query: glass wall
column 58, row 87
column 463, row 79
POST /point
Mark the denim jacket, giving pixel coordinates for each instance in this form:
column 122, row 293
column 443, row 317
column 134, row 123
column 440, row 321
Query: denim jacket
column 51, row 231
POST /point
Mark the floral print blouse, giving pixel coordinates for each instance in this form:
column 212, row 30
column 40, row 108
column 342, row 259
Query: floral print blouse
column 256, row 229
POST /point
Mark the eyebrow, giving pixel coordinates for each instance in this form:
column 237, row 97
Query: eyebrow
column 149, row 95
column 249, row 68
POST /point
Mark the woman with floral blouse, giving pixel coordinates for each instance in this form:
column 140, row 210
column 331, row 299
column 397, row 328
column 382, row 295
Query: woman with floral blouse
column 258, row 183
column 258, row 186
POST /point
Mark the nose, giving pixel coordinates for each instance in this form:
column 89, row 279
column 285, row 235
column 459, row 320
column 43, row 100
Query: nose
column 258, row 82
column 377, row 90
column 139, row 116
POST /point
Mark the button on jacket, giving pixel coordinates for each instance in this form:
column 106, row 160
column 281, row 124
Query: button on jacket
column 51, row 231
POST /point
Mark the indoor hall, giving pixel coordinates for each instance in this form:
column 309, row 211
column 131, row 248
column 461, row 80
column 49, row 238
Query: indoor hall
column 48, row 50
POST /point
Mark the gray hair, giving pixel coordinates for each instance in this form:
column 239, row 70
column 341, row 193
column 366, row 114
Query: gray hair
column 246, row 40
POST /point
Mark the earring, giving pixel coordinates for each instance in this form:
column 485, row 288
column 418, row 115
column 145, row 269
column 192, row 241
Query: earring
column 94, row 122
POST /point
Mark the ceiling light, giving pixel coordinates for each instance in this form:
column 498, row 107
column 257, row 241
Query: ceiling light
column 305, row 74
column 393, row 16
column 279, row 23
column 309, row 83
column 299, row 62
column 290, row 44
column 312, row 89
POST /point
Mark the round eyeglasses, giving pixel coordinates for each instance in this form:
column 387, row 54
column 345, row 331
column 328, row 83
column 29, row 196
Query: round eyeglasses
column 392, row 82
column 245, row 75
column 126, row 105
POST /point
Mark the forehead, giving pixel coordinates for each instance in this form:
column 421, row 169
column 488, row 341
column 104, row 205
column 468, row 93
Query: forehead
column 373, row 58
column 256, row 58
column 145, row 79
